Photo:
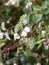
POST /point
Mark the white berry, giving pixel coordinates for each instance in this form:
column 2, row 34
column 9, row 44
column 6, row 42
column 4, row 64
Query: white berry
column 27, row 29
column 16, row 36
column 38, row 63
column 7, row 36
column 1, row 35
column 14, row 64
column 24, row 33
column 12, row 1
column 43, row 32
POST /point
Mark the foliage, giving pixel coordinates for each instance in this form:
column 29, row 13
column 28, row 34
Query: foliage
column 24, row 30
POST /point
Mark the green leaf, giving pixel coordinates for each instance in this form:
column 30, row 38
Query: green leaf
column 30, row 43
column 35, row 18
column 44, row 5
column 3, row 26
column 27, row 53
column 23, row 17
column 18, row 27
column 38, row 17
column 1, row 43
column 46, row 11
column 36, row 7
column 48, row 2
column 40, row 1
column 17, row 3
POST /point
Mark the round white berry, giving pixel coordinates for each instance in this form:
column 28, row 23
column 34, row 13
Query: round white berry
column 27, row 29
column 12, row 1
column 16, row 36
column 38, row 63
column 1, row 35
column 7, row 36
column 24, row 33
column 43, row 32
column 14, row 64
column 8, row 21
